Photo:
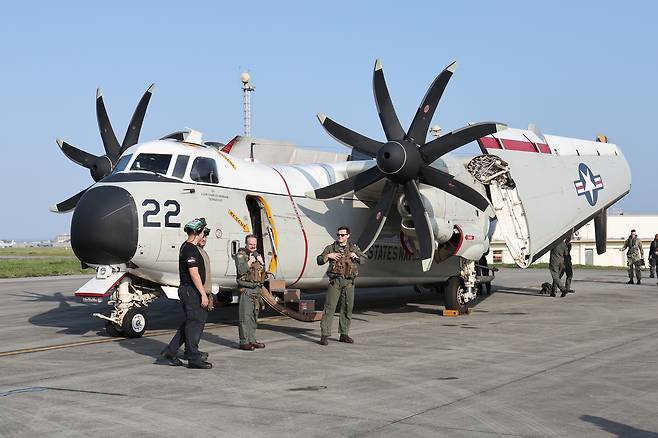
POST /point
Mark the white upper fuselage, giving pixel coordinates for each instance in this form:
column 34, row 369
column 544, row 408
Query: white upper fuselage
column 301, row 226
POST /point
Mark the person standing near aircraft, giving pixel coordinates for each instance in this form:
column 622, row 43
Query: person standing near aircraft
column 557, row 266
column 568, row 266
column 250, row 270
column 653, row 256
column 343, row 258
column 192, row 294
column 207, row 284
column 634, row 256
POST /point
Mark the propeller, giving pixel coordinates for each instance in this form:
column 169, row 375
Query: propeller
column 404, row 161
column 101, row 166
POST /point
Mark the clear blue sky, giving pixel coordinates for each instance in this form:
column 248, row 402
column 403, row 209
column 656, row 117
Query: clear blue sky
column 573, row 68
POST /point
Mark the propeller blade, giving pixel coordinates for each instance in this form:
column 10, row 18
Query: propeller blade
column 350, row 138
column 352, row 184
column 424, row 232
column 448, row 183
column 378, row 216
column 69, row 204
column 459, row 137
column 389, row 119
column 132, row 134
column 110, row 142
column 84, row 159
column 418, row 129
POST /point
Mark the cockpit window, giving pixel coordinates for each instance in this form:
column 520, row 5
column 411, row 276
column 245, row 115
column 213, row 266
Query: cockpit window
column 123, row 162
column 158, row 163
column 204, row 170
column 180, row 166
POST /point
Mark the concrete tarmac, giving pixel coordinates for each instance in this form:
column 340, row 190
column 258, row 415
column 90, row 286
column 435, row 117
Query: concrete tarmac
column 521, row 365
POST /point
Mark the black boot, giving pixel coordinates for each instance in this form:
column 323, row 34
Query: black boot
column 630, row 281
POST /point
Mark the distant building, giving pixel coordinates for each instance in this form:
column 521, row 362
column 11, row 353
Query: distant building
column 62, row 241
column 583, row 249
column 7, row 243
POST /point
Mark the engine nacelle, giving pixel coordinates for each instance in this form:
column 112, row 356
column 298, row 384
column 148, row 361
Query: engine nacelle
column 472, row 242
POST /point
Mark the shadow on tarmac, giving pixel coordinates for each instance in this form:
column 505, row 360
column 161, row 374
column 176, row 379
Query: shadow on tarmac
column 75, row 318
column 618, row 429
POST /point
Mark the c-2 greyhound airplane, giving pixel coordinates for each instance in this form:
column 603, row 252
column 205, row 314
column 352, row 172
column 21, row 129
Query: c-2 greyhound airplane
column 423, row 215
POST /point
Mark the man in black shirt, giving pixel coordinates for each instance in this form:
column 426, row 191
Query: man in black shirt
column 193, row 299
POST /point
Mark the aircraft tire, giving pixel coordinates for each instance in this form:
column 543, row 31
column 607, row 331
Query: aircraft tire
column 134, row 322
column 112, row 330
column 451, row 294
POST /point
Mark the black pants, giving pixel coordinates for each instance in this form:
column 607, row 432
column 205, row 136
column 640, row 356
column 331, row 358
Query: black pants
column 190, row 330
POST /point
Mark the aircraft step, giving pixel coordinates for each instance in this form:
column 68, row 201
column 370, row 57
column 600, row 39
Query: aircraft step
column 288, row 302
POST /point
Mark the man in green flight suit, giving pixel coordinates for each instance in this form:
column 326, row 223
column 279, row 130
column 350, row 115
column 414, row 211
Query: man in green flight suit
column 250, row 276
column 634, row 256
column 343, row 258
column 557, row 266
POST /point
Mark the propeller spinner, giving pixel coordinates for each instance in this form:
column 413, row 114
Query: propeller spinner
column 404, row 161
column 102, row 166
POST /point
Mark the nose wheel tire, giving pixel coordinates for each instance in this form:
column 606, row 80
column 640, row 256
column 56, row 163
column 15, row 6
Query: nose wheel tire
column 113, row 331
column 452, row 294
column 134, row 323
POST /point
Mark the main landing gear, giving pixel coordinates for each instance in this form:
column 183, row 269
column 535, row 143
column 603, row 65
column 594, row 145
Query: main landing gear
column 462, row 289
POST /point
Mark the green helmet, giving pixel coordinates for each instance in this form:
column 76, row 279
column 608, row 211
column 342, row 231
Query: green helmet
column 195, row 226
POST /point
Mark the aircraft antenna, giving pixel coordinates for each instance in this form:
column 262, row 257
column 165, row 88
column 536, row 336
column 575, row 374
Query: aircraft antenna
column 247, row 88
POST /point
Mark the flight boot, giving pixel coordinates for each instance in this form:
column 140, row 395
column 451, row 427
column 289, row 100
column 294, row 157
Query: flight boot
column 630, row 281
column 199, row 365
column 169, row 358
column 204, row 355
column 324, row 340
column 346, row 339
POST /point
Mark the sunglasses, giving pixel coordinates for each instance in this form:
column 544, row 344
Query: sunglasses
column 341, row 234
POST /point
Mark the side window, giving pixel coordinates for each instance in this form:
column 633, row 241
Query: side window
column 204, row 170
column 123, row 162
column 180, row 166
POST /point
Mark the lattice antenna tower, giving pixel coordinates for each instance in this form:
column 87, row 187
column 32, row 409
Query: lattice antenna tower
column 247, row 88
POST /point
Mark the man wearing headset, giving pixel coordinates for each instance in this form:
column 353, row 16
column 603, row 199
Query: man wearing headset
column 193, row 299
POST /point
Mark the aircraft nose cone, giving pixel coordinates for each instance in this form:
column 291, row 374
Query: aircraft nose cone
column 104, row 226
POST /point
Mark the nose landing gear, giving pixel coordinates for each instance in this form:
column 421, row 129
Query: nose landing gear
column 129, row 317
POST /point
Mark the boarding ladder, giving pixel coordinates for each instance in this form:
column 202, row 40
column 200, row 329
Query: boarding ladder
column 288, row 302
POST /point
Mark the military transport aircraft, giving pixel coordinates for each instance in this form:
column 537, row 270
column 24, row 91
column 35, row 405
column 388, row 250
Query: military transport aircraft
column 424, row 215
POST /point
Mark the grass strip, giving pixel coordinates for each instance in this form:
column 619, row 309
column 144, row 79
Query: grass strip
column 18, row 268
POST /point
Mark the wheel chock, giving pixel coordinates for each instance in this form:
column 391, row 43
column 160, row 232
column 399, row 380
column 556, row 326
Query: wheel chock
column 463, row 311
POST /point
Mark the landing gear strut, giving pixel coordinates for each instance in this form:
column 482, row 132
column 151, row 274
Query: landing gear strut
column 460, row 290
column 129, row 317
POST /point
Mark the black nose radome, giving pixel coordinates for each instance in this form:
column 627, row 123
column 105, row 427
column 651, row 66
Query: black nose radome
column 104, row 226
